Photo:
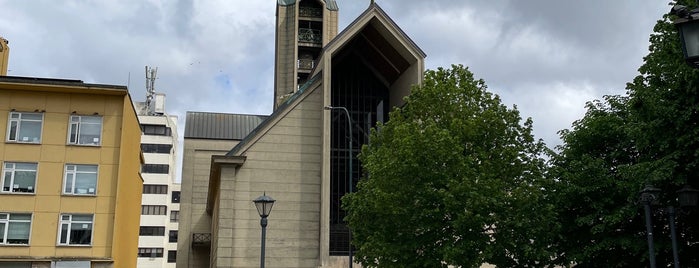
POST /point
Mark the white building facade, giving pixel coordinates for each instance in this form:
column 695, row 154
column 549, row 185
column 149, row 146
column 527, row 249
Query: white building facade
column 157, row 243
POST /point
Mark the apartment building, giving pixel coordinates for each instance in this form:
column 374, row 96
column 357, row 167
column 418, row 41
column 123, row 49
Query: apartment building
column 157, row 242
column 71, row 187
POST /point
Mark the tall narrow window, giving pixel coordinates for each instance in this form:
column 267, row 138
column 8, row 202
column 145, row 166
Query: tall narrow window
column 173, row 236
column 175, row 196
column 25, row 127
column 14, row 228
column 75, row 229
column 174, row 215
column 85, row 130
column 80, row 180
column 172, row 256
column 18, row 177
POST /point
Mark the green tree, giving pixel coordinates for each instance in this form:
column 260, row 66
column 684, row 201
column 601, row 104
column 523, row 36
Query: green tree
column 649, row 136
column 453, row 178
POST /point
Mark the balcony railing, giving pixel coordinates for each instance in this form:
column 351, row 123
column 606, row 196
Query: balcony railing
column 305, row 64
column 309, row 35
column 201, row 240
column 310, row 12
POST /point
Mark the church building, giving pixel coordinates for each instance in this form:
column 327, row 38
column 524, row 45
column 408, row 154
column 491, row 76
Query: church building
column 300, row 154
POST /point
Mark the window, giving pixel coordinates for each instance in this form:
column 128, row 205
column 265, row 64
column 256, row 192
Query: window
column 72, row 264
column 150, row 252
column 80, row 180
column 14, row 228
column 154, row 189
column 18, row 177
column 85, row 130
column 175, row 196
column 156, row 148
column 153, row 210
column 172, row 256
column 174, row 216
column 152, row 231
column 76, row 229
column 25, row 127
column 159, row 130
column 173, row 236
column 155, row 168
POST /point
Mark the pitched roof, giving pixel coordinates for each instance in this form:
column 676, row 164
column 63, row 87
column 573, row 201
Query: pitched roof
column 220, row 126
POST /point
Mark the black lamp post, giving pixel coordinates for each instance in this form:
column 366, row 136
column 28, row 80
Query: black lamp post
column 648, row 195
column 687, row 197
column 349, row 152
column 264, row 205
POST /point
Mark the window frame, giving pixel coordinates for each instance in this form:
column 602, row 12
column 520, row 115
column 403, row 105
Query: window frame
column 172, row 235
column 155, row 168
column 151, row 209
column 78, row 128
column 172, row 256
column 13, row 172
column 174, row 216
column 70, row 222
column 175, row 197
column 18, row 120
column 153, row 252
column 155, row 188
column 7, row 220
column 74, row 173
column 151, row 231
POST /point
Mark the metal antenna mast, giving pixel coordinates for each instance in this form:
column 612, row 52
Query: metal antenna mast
column 150, row 88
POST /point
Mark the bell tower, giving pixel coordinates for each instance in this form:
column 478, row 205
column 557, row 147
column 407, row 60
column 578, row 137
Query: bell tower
column 304, row 27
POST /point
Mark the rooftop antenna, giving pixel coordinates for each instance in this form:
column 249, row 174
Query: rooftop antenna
column 150, row 88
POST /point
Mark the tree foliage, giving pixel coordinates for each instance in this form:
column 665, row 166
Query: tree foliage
column 649, row 136
column 454, row 178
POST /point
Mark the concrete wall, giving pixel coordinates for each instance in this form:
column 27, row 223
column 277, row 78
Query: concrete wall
column 196, row 165
column 285, row 163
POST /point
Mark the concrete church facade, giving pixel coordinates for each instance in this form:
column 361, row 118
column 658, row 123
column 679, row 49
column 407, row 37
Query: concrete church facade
column 298, row 155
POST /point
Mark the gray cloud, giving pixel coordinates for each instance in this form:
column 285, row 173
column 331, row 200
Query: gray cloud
column 547, row 57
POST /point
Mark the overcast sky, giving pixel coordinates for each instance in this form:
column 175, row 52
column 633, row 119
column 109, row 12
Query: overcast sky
column 546, row 57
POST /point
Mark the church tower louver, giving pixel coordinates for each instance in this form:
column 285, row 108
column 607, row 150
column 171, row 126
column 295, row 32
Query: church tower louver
column 304, row 27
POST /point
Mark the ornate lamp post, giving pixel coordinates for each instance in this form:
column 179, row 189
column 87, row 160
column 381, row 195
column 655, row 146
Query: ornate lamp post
column 264, row 205
column 349, row 152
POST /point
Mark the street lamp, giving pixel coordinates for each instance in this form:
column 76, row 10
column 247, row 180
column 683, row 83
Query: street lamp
column 349, row 153
column 264, row 205
column 687, row 197
column 648, row 195
column 688, row 26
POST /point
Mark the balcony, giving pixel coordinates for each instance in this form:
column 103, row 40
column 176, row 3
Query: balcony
column 305, row 64
column 201, row 240
column 310, row 12
column 310, row 36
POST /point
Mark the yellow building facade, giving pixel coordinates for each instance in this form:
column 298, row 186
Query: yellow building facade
column 70, row 188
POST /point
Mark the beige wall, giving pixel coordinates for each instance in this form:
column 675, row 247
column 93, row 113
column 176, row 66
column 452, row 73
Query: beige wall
column 196, row 165
column 285, row 163
column 52, row 154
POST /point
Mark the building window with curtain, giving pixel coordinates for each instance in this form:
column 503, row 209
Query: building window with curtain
column 14, row 228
